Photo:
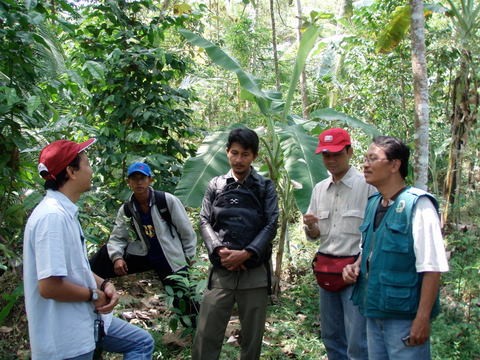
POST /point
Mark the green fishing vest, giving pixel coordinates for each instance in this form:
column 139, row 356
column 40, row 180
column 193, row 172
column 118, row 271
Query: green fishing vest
column 389, row 286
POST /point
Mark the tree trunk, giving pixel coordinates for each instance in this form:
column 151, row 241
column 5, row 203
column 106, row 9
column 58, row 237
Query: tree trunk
column 420, row 89
column 465, row 101
column 303, row 77
column 279, row 257
column 274, row 45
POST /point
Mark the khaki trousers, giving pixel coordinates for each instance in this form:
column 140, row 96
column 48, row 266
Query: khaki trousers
column 215, row 312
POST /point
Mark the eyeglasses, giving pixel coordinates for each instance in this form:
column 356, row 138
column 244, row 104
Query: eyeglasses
column 371, row 160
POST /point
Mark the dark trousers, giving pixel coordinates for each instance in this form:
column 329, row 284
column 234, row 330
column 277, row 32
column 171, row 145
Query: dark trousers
column 101, row 265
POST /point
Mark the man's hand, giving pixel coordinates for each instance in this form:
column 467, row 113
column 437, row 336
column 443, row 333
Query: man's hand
column 350, row 273
column 110, row 299
column 420, row 330
column 311, row 225
column 120, row 267
column 233, row 259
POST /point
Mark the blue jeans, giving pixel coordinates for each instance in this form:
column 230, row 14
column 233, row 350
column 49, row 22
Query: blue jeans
column 343, row 327
column 385, row 341
column 127, row 339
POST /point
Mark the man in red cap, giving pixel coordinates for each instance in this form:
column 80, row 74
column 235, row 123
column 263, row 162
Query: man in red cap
column 336, row 211
column 69, row 307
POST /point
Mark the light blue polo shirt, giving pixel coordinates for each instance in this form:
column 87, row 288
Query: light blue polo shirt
column 53, row 246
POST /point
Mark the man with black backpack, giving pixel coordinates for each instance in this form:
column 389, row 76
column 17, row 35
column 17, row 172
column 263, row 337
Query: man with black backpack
column 164, row 239
column 238, row 223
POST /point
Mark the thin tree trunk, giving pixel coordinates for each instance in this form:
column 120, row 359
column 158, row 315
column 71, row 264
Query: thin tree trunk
column 279, row 257
column 303, row 77
column 420, row 88
column 465, row 102
column 274, row 45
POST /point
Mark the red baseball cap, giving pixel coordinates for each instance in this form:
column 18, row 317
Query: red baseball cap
column 55, row 157
column 332, row 140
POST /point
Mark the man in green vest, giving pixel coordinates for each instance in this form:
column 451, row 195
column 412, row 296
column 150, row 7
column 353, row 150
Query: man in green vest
column 398, row 275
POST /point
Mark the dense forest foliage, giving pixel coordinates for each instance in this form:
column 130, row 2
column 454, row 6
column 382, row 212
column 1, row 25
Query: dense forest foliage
column 163, row 81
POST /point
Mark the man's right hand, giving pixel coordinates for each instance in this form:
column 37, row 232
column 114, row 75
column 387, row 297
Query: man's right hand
column 120, row 267
column 350, row 273
column 311, row 225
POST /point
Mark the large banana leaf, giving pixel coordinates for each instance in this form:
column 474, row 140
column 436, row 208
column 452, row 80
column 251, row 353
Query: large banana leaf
column 309, row 38
column 330, row 115
column 209, row 162
column 301, row 162
column 267, row 101
column 395, row 31
column 398, row 27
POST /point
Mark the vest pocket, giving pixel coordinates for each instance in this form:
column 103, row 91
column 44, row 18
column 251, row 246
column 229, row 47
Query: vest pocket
column 398, row 291
column 396, row 239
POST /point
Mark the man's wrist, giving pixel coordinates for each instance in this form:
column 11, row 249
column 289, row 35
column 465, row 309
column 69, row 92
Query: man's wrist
column 104, row 284
column 94, row 295
column 248, row 253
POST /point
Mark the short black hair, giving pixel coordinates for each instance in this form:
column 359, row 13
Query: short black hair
column 62, row 177
column 394, row 149
column 245, row 137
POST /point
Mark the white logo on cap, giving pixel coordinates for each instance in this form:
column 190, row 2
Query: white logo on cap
column 42, row 167
column 328, row 138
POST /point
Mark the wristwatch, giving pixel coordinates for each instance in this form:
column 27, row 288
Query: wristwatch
column 93, row 294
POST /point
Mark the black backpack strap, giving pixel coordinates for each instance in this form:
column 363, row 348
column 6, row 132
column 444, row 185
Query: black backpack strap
column 126, row 209
column 161, row 202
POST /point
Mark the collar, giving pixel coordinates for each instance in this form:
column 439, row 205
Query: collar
column 347, row 179
column 64, row 201
column 251, row 175
column 151, row 199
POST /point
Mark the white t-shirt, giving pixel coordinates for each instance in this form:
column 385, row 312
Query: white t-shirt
column 53, row 247
column 427, row 238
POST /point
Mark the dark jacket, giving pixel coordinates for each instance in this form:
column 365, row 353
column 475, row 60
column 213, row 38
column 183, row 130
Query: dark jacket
column 240, row 216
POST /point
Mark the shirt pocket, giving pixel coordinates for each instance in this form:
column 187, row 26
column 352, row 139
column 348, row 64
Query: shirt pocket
column 324, row 222
column 351, row 221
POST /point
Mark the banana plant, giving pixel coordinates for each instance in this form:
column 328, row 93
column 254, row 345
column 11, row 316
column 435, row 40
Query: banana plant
column 288, row 148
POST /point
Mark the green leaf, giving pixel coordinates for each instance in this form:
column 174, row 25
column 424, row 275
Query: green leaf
column 210, row 161
column 35, row 18
column 30, row 4
column 201, row 285
column 333, row 115
column 173, row 324
column 306, row 44
column 169, row 290
column 11, row 299
column 33, row 103
column 10, row 95
column 95, row 69
column 301, row 162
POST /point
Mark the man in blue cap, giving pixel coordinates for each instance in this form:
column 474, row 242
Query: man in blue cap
column 164, row 239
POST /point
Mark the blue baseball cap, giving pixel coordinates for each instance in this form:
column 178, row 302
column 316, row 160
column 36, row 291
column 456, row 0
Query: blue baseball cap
column 139, row 167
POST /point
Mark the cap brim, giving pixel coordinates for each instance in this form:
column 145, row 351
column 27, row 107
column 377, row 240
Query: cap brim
column 83, row 146
column 143, row 172
column 333, row 148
